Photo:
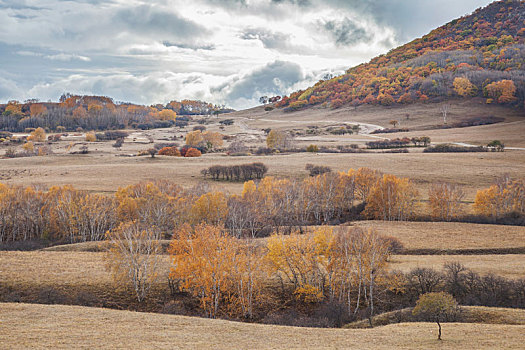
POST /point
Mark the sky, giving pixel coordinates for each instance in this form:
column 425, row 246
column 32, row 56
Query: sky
column 227, row 52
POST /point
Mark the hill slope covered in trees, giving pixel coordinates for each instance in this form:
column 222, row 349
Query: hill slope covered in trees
column 98, row 113
column 482, row 54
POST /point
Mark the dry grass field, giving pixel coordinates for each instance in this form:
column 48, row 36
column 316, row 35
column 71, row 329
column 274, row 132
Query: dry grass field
column 26, row 326
column 450, row 235
column 509, row 266
column 467, row 314
column 103, row 172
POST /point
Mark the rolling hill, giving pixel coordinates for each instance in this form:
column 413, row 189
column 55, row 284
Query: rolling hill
column 479, row 55
column 63, row 327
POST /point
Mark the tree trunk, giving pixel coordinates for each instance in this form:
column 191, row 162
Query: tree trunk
column 439, row 332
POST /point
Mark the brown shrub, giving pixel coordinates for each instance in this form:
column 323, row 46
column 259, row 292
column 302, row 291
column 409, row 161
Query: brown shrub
column 169, row 151
column 193, row 152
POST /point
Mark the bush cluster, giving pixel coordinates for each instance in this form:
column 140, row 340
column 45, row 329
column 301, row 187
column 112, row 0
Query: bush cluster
column 317, row 169
column 111, row 135
column 243, row 172
column 448, row 148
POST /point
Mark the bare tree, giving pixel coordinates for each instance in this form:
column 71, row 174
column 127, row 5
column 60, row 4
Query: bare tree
column 445, row 108
column 134, row 256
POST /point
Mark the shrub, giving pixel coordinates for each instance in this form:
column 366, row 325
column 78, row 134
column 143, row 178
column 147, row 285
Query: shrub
column 396, row 143
column 496, row 145
column 112, row 135
column 169, row 151
column 312, row 148
column 39, row 135
column 226, row 122
column 448, row 148
column 263, row 151
column 10, row 153
column 152, row 152
column 193, row 152
column 118, row 143
column 181, row 123
column 317, row 169
column 91, row 137
column 237, row 146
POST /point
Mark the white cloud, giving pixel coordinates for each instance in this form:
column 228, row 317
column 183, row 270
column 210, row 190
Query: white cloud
column 67, row 57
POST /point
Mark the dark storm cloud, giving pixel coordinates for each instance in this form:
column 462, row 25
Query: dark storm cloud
column 346, row 32
column 147, row 19
column 408, row 18
column 274, row 78
column 18, row 5
column 278, row 41
column 269, row 39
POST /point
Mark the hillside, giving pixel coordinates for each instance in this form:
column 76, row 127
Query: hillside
column 61, row 327
column 479, row 55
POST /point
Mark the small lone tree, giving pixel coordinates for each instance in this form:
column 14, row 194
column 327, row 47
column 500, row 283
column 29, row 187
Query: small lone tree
column 437, row 307
column 393, row 122
column 152, row 152
column 496, row 145
column 444, row 112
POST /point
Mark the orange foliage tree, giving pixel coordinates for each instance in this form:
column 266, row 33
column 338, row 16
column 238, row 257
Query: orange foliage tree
column 37, row 109
column 445, row 201
column 464, row 87
column 38, row 135
column 210, row 208
column 502, row 198
column 501, row 91
column 216, row 268
column 391, row 198
column 167, row 114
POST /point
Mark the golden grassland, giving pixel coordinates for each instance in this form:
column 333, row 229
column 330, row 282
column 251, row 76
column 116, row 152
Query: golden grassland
column 449, row 235
column 61, row 327
column 466, row 314
column 507, row 265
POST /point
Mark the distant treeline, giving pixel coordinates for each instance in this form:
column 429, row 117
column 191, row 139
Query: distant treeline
column 75, row 112
column 243, row 172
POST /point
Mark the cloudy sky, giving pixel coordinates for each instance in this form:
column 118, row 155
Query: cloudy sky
column 222, row 51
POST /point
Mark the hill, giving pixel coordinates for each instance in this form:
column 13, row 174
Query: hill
column 53, row 326
column 476, row 55
column 77, row 112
